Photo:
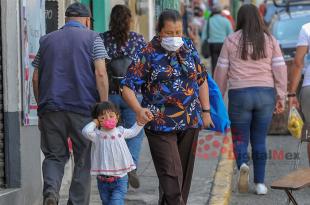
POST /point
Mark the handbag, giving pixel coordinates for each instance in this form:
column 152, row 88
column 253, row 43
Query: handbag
column 218, row 110
column 117, row 69
column 205, row 47
column 119, row 66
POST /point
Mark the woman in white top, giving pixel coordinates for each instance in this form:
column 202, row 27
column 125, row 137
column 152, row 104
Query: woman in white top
column 110, row 156
column 302, row 50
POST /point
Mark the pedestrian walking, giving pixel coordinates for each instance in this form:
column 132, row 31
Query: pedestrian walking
column 227, row 14
column 175, row 89
column 215, row 30
column 252, row 63
column 262, row 8
column 189, row 29
column 110, row 157
column 301, row 51
column 69, row 78
column 123, row 47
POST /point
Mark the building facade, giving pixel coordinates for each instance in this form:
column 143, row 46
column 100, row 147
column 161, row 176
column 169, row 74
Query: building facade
column 22, row 23
column 20, row 145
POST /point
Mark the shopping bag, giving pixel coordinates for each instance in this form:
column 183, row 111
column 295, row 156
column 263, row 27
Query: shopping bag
column 295, row 123
column 218, row 110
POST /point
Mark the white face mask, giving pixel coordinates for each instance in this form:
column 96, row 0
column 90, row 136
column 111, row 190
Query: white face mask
column 171, row 43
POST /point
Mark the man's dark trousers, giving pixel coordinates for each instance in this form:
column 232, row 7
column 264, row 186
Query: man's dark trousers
column 56, row 127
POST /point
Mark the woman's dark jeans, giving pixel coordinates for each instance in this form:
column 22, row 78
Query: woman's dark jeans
column 250, row 112
column 215, row 49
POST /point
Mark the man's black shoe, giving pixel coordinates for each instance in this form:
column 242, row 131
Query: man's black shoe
column 133, row 179
column 50, row 200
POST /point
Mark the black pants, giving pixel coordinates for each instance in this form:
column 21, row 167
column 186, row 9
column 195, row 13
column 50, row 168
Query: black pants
column 215, row 49
column 173, row 154
column 55, row 128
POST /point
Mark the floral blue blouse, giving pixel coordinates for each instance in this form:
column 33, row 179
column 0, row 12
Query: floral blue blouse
column 170, row 85
column 133, row 46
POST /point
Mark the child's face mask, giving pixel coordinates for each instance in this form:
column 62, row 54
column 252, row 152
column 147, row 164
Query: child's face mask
column 108, row 120
column 109, row 123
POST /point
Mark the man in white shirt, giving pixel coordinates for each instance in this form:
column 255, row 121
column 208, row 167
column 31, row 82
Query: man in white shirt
column 301, row 51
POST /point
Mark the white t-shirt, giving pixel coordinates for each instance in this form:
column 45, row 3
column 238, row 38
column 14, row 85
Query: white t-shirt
column 304, row 40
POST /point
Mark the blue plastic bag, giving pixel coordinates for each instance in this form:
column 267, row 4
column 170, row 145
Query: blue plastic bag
column 218, row 110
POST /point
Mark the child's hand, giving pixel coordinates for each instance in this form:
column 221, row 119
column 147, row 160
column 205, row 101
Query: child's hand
column 97, row 122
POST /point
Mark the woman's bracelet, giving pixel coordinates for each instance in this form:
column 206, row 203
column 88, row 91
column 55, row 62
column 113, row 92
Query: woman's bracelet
column 206, row 110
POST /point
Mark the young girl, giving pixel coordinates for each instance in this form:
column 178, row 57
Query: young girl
column 110, row 156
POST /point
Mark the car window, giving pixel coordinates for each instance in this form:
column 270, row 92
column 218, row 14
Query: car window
column 289, row 29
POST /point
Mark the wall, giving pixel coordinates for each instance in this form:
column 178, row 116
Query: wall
column 143, row 24
column 22, row 143
column 225, row 2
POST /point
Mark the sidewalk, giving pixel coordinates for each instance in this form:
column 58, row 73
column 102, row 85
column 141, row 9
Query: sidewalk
column 205, row 167
column 275, row 169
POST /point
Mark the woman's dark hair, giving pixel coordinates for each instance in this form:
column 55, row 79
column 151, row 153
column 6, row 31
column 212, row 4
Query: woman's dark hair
column 120, row 24
column 253, row 30
column 102, row 107
column 168, row 15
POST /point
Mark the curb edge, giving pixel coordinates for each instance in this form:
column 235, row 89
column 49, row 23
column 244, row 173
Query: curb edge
column 222, row 185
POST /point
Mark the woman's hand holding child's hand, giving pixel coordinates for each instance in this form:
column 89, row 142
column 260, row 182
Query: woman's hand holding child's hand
column 144, row 116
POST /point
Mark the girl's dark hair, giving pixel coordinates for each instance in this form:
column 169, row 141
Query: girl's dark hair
column 168, row 15
column 253, row 30
column 120, row 24
column 100, row 108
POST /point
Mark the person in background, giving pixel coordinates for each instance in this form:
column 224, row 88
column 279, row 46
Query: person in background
column 111, row 159
column 301, row 51
column 219, row 29
column 198, row 19
column 226, row 13
column 252, row 64
column 263, row 8
column 69, row 78
column 186, row 17
column 175, row 90
column 189, row 29
column 123, row 45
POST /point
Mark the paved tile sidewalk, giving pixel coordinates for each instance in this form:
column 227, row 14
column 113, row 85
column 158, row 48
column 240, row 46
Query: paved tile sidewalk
column 148, row 193
column 275, row 169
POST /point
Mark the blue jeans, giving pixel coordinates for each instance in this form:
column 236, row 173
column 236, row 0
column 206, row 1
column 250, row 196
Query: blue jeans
column 250, row 111
column 113, row 193
column 128, row 119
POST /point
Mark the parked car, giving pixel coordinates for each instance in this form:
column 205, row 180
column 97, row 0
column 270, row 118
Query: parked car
column 272, row 10
column 286, row 27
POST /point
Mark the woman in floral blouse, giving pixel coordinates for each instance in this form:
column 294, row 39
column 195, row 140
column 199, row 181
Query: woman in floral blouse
column 119, row 41
column 175, row 93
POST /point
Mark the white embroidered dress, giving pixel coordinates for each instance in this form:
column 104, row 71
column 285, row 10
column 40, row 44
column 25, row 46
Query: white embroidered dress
column 109, row 153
